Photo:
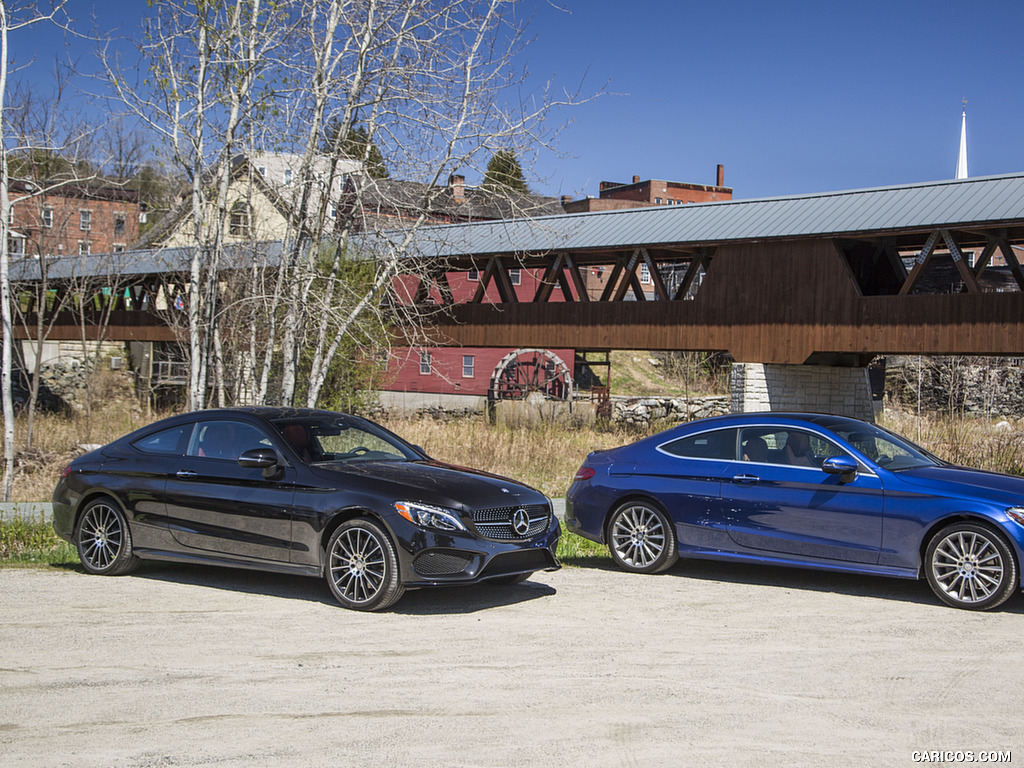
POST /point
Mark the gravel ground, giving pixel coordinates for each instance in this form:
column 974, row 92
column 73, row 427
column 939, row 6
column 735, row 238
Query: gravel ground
column 708, row 665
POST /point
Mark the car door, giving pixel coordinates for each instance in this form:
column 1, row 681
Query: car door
column 216, row 506
column 686, row 477
column 781, row 501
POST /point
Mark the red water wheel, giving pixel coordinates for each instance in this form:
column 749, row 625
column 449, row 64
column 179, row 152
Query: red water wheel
column 525, row 371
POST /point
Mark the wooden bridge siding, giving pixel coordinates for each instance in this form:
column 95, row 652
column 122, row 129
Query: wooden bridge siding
column 769, row 302
column 121, row 325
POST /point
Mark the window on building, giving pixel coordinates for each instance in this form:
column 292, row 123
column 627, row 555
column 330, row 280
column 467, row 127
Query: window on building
column 142, row 217
column 468, row 366
column 85, row 220
column 16, row 245
column 516, row 276
column 657, row 201
column 262, row 170
column 645, row 274
column 118, row 248
column 84, row 249
column 425, row 363
column 287, row 176
column 240, row 219
column 10, row 216
column 473, row 275
column 48, row 217
column 119, row 220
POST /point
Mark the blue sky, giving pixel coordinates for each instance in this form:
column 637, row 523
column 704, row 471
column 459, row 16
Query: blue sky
column 792, row 97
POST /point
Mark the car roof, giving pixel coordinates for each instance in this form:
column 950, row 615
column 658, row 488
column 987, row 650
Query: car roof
column 774, row 416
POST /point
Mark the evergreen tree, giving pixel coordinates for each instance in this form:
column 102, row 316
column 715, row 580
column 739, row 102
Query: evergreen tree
column 354, row 147
column 504, row 171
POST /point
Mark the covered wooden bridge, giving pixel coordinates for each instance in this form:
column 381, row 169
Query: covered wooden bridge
column 916, row 269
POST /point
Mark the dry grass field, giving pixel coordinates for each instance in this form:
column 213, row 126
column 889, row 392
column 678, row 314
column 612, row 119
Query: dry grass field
column 544, row 456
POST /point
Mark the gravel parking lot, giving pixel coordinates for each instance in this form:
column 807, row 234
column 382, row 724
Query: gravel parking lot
column 708, row 665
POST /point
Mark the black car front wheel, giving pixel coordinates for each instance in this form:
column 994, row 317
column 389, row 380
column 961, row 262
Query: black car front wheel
column 103, row 539
column 641, row 538
column 362, row 568
column 970, row 566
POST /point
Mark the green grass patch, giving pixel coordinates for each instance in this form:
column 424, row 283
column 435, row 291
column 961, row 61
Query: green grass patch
column 576, row 550
column 33, row 542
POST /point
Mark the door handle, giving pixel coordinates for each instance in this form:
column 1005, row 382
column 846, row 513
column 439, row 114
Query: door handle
column 186, row 473
column 746, row 479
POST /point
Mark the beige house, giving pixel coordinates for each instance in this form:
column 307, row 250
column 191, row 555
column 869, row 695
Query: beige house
column 262, row 193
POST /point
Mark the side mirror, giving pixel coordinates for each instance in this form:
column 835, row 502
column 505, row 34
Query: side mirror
column 840, row 465
column 260, row 458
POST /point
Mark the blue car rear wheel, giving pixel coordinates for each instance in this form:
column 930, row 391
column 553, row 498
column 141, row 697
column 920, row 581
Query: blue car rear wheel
column 641, row 538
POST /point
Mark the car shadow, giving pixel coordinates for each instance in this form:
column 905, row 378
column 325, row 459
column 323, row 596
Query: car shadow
column 902, row 590
column 469, row 599
column 880, row 587
column 432, row 601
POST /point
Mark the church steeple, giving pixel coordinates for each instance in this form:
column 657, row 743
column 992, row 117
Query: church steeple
column 961, row 161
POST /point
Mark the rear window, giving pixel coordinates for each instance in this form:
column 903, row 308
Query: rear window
column 720, row 444
column 168, row 442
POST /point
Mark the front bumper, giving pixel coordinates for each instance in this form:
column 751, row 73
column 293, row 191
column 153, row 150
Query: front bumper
column 434, row 558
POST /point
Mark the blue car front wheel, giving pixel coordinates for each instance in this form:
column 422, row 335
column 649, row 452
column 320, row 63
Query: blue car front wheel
column 970, row 566
column 641, row 538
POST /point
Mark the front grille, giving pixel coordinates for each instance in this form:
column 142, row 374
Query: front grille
column 441, row 563
column 518, row 562
column 500, row 522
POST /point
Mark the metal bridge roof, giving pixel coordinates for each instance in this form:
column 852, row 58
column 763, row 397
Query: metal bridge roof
column 952, row 204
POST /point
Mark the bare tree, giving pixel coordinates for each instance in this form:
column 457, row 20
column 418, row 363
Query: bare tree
column 12, row 18
column 432, row 83
column 429, row 81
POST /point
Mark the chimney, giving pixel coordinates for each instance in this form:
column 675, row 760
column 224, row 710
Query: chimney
column 720, row 176
column 565, row 200
column 457, row 184
column 636, row 179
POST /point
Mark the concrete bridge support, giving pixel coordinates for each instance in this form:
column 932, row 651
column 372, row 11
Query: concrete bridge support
column 814, row 388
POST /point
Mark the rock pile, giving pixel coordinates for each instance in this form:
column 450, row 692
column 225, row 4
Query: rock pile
column 645, row 410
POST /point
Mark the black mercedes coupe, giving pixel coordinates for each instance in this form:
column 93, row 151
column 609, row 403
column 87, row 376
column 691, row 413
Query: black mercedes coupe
column 301, row 491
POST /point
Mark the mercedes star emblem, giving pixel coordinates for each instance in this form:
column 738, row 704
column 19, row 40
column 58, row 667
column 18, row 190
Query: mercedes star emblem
column 521, row 522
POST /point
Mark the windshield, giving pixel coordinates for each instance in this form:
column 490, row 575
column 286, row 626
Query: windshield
column 343, row 438
column 883, row 447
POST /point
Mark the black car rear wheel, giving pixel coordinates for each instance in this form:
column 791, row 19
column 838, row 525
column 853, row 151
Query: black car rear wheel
column 641, row 538
column 103, row 539
column 970, row 566
column 362, row 568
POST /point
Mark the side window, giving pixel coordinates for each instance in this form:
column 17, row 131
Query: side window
column 168, row 442
column 225, row 439
column 792, row 447
column 720, row 444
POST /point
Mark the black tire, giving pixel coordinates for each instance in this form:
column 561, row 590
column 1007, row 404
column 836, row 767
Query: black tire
column 104, row 540
column 361, row 566
column 641, row 538
column 507, row 581
column 969, row 565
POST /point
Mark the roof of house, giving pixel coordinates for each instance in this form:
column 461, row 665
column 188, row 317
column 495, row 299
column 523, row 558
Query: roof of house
column 393, row 198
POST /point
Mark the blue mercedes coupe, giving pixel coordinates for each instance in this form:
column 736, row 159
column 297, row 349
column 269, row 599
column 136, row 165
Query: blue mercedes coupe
column 809, row 491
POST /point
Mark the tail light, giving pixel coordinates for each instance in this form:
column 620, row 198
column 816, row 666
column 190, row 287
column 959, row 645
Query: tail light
column 66, row 472
column 584, row 473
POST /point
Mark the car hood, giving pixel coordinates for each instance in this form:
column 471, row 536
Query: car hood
column 434, row 482
column 976, row 483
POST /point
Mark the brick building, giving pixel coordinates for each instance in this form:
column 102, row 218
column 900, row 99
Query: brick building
column 80, row 218
column 613, row 195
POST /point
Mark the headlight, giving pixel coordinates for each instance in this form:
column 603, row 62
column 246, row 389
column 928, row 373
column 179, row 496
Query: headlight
column 429, row 517
column 1016, row 513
